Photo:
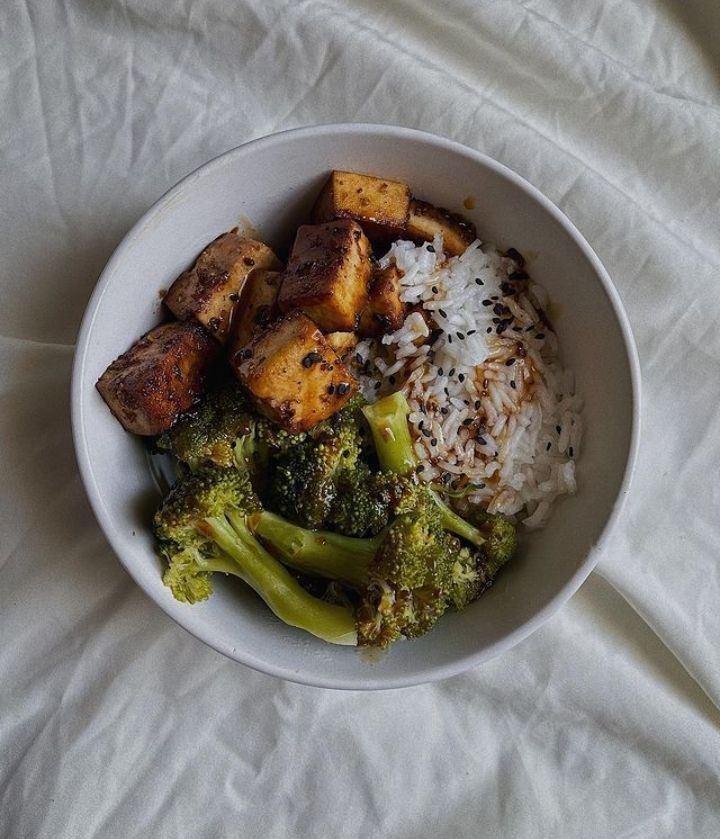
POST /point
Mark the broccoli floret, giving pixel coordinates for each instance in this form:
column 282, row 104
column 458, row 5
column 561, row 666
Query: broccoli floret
column 207, row 434
column 387, row 419
column 475, row 570
column 202, row 529
column 401, row 576
column 307, row 477
column 364, row 501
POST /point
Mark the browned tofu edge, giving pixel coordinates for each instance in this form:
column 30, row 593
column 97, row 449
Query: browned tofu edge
column 376, row 225
column 146, row 396
column 249, row 362
column 426, row 220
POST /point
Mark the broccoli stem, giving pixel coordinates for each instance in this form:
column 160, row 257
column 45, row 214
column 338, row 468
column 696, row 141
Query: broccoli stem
column 387, row 419
column 388, row 423
column 317, row 552
column 285, row 597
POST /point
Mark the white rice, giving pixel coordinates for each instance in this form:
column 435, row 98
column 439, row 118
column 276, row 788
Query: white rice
column 492, row 410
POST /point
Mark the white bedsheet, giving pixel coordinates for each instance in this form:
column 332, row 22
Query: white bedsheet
column 116, row 723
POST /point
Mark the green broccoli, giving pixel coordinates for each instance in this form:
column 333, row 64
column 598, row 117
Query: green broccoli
column 387, row 419
column 306, row 478
column 207, row 434
column 494, row 538
column 401, row 576
column 201, row 529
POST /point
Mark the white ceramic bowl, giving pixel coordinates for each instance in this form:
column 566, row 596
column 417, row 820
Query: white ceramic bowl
column 272, row 183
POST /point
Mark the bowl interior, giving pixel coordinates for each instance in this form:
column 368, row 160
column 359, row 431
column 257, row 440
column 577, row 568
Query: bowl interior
column 271, row 184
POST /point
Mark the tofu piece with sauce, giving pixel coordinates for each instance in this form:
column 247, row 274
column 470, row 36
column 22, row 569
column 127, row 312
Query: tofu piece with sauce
column 342, row 342
column 379, row 205
column 256, row 307
column 210, row 289
column 385, row 312
column 293, row 375
column 427, row 220
column 328, row 274
column 151, row 384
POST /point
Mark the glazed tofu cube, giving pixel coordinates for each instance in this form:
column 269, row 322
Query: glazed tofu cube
column 256, row 307
column 328, row 274
column 385, row 312
column 342, row 342
column 150, row 385
column 426, row 220
column 210, row 289
column 379, row 205
column 294, row 377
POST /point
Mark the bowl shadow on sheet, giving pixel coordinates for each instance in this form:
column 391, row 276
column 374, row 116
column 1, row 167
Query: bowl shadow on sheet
column 701, row 21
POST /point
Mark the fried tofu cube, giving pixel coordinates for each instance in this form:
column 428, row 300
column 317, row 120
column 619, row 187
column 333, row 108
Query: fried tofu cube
column 342, row 342
column 210, row 289
column 379, row 205
column 256, row 307
column 294, row 377
column 151, row 384
column 328, row 274
column 385, row 311
column 426, row 220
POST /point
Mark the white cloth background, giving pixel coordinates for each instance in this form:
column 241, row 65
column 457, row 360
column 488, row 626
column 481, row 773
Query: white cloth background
column 116, row 723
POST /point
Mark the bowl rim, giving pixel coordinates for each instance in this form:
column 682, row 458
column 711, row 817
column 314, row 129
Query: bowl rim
column 430, row 673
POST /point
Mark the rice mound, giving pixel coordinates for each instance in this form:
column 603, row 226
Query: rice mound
column 493, row 413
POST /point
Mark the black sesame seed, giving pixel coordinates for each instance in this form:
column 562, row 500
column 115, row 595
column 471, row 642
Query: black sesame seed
column 434, row 289
column 499, row 309
column 433, row 442
column 426, row 432
column 548, row 447
column 517, row 328
column 479, row 281
column 471, row 331
column 500, row 328
column 496, row 320
column 420, row 467
column 540, row 336
column 461, row 377
column 391, row 379
column 431, row 248
column 441, row 372
column 460, row 336
column 489, row 329
column 447, row 392
column 466, row 401
column 449, row 339
column 377, row 385
column 558, row 429
column 477, row 404
column 482, row 441
column 310, row 359
column 487, row 302
column 331, row 389
column 444, row 411
column 467, row 421
column 516, row 255
column 513, row 385
column 494, row 297
column 343, row 388
column 452, row 372
column 518, row 275
column 446, row 478
column 481, row 486
column 571, row 452
column 530, row 328
column 420, row 425
column 510, row 362
column 442, row 313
